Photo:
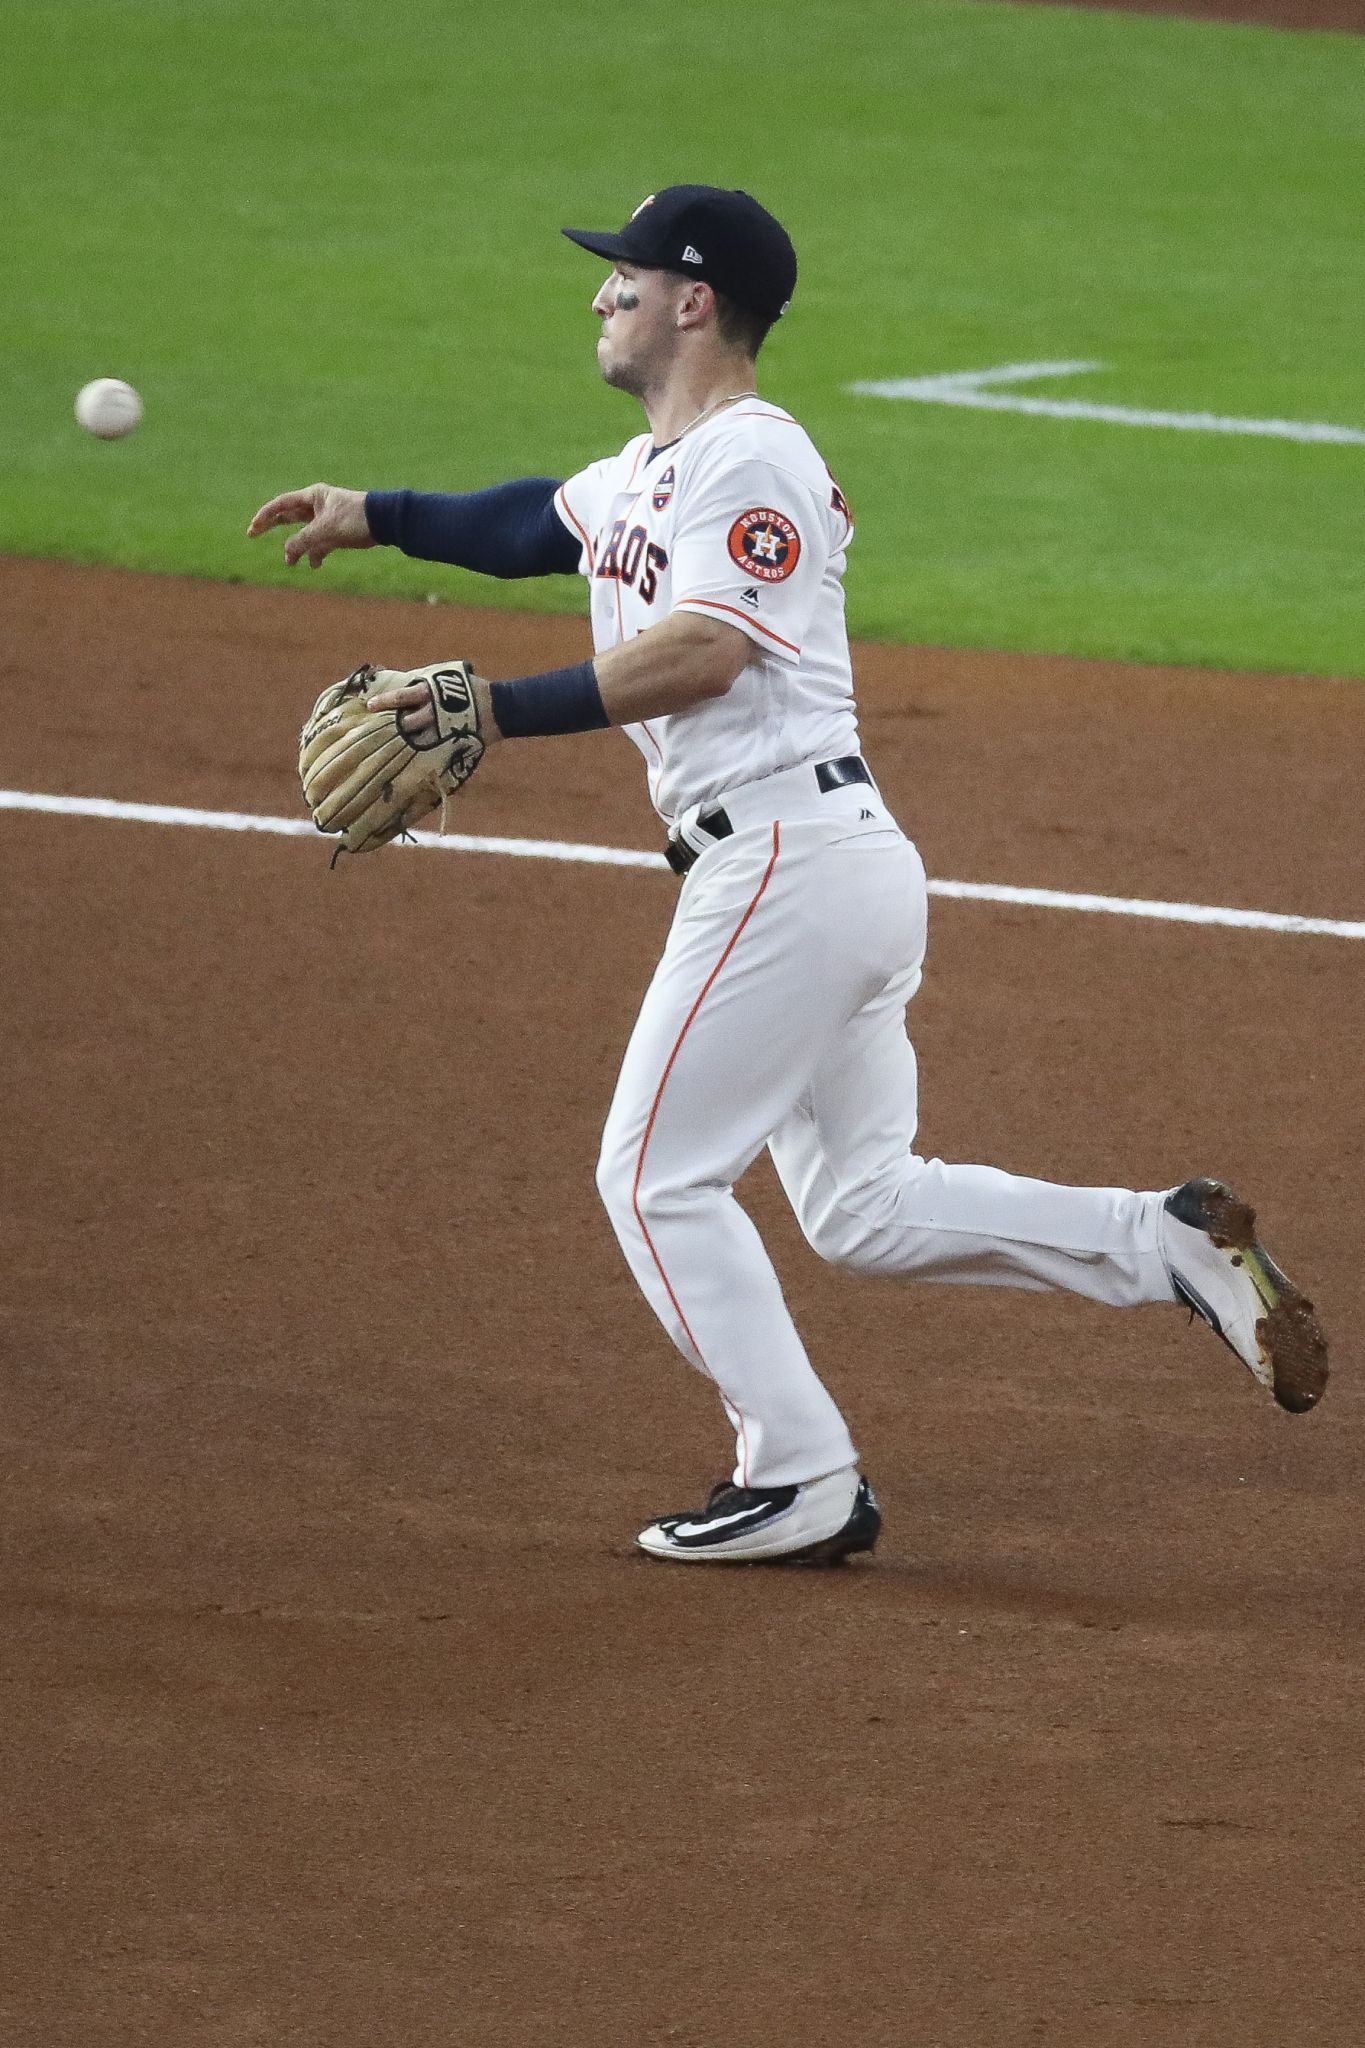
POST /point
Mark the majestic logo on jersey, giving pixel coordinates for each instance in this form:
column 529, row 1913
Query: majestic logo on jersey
column 663, row 490
column 749, row 597
column 765, row 544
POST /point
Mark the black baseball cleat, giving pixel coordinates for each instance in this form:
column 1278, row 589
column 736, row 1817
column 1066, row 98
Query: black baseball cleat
column 821, row 1521
column 1222, row 1272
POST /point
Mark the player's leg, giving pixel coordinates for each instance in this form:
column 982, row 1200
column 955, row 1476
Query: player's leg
column 866, row 1200
column 845, row 1152
column 730, row 1034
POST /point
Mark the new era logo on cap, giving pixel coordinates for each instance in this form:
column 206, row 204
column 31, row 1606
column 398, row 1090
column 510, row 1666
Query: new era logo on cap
column 691, row 255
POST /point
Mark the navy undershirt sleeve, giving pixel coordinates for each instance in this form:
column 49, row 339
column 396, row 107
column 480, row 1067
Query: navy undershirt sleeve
column 510, row 530
column 559, row 700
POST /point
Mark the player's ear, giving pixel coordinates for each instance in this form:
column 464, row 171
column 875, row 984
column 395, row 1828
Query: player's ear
column 696, row 305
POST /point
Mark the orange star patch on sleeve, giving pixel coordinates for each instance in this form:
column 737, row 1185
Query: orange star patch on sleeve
column 765, row 544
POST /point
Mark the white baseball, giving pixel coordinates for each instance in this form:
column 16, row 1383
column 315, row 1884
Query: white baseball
column 108, row 407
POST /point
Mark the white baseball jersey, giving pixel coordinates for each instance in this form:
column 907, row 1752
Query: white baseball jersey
column 738, row 520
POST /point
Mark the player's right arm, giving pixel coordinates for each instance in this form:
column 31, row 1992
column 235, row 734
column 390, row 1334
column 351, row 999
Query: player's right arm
column 511, row 530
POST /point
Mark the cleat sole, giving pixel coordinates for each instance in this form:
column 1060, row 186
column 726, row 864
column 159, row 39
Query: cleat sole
column 1289, row 1336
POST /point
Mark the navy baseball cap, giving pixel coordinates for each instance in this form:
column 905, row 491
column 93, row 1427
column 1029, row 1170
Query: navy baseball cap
column 725, row 238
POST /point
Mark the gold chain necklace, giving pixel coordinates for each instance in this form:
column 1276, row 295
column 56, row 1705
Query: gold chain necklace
column 707, row 411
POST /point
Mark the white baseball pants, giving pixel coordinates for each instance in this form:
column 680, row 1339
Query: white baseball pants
column 777, row 1016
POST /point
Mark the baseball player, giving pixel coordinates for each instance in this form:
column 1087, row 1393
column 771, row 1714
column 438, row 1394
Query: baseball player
column 714, row 547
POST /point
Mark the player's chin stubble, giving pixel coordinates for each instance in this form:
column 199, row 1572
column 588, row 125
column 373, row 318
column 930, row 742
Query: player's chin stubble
column 622, row 376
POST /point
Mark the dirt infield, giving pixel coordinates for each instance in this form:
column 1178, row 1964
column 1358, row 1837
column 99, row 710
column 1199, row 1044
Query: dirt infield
column 338, row 1711
column 1346, row 15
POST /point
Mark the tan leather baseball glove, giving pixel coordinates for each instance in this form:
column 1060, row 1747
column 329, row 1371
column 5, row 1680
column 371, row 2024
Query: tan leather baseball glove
column 361, row 774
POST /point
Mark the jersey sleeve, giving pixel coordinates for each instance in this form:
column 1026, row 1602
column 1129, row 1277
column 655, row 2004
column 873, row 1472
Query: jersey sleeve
column 750, row 548
column 579, row 505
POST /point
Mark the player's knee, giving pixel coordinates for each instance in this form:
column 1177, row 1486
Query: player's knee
column 615, row 1171
column 637, row 1195
column 659, row 1200
column 628, row 1186
column 839, row 1236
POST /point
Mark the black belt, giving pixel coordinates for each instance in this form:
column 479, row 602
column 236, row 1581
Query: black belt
column 715, row 823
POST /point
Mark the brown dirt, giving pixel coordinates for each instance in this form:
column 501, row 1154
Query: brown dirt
column 1347, row 15
column 337, row 1711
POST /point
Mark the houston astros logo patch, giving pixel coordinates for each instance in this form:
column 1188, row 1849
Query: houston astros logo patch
column 663, row 490
column 765, row 544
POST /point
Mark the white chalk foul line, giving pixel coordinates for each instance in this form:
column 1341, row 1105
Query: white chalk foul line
column 1170, row 913
column 968, row 388
column 622, row 857
column 304, row 828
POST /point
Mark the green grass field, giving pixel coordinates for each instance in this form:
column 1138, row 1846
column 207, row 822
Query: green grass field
column 322, row 241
